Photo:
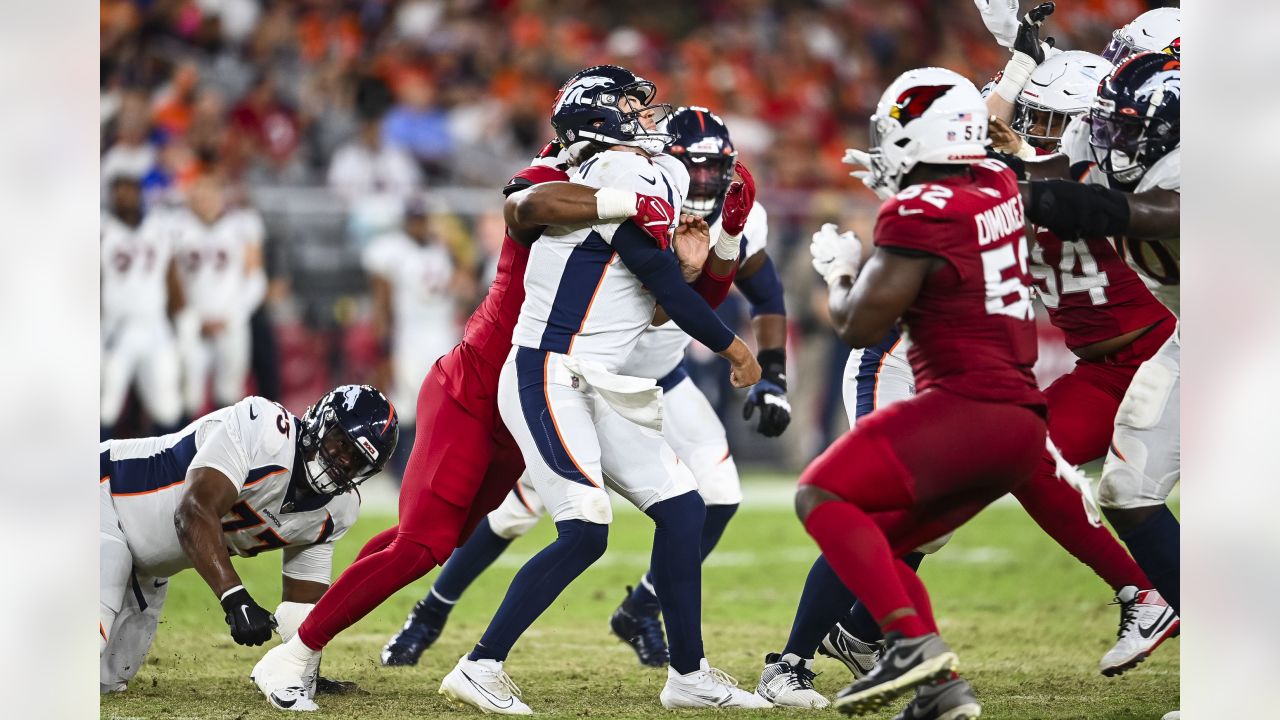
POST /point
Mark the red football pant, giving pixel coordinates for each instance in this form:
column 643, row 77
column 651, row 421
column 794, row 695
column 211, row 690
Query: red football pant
column 472, row 461
column 907, row 474
column 1082, row 411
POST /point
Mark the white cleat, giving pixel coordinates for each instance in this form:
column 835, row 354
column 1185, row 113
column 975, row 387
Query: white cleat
column 1146, row 620
column 707, row 687
column 787, row 681
column 1172, row 715
column 286, row 676
column 483, row 685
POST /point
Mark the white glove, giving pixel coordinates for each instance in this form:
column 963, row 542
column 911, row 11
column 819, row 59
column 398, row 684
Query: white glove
column 1001, row 19
column 853, row 156
column 835, row 254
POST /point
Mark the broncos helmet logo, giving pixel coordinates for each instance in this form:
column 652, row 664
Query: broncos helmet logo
column 913, row 102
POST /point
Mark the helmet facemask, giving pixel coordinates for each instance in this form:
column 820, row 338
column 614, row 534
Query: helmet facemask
column 1120, row 142
column 644, row 122
column 336, row 462
column 1040, row 126
column 709, row 179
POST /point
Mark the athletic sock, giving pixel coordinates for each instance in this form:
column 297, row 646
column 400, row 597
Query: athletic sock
column 860, row 555
column 578, row 544
column 676, row 565
column 363, row 586
column 713, row 527
column 465, row 565
column 1157, row 546
column 858, row 621
column 1056, row 508
column 822, row 600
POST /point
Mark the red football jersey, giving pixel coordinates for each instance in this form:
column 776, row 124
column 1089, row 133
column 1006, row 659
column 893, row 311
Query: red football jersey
column 489, row 329
column 1090, row 293
column 972, row 327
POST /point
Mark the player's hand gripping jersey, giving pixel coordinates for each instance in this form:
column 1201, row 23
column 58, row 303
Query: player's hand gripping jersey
column 254, row 444
column 972, row 327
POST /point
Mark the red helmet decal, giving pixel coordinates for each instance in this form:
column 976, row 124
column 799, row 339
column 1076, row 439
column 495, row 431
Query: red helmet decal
column 913, row 102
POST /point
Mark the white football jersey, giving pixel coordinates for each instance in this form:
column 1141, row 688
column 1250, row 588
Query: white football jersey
column 135, row 266
column 254, row 444
column 420, row 277
column 1157, row 262
column 661, row 347
column 580, row 299
column 211, row 257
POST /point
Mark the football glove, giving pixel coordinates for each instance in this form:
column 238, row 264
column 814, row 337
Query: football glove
column 738, row 202
column 1027, row 41
column 853, row 156
column 835, row 254
column 1001, row 19
column 770, row 394
column 655, row 216
column 250, row 623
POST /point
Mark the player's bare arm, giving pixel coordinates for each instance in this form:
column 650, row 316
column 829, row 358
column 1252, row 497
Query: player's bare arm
column 198, row 520
column 863, row 310
column 177, row 296
column 1154, row 214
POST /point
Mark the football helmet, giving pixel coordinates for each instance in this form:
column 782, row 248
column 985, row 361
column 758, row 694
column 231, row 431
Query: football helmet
column 931, row 115
column 347, row 437
column 700, row 140
column 1061, row 88
column 1135, row 118
column 1158, row 30
column 609, row 105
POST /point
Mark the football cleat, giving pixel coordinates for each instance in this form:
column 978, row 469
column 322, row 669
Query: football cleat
column 1172, row 715
column 707, row 687
column 1146, row 620
column 420, row 631
column 483, row 685
column 906, row 663
column 946, row 700
column 858, row 656
column 787, row 681
column 286, row 675
column 640, row 627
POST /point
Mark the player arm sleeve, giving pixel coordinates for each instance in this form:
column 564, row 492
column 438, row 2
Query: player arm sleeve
column 763, row 289
column 660, row 272
column 224, row 450
column 712, row 287
column 1071, row 209
column 313, row 563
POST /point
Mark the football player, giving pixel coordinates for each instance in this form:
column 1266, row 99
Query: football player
column 245, row 479
column 141, row 294
column 1127, row 154
column 701, row 141
column 414, row 280
column 455, row 478
column 219, row 249
column 951, row 262
column 590, row 293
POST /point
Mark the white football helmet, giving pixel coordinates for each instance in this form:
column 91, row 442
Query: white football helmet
column 1158, row 30
column 931, row 115
column 1061, row 88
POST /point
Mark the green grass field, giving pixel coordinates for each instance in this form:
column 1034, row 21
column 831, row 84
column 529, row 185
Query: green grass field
column 1028, row 621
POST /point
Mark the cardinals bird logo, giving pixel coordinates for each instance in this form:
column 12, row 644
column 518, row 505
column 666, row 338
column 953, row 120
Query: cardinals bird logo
column 913, row 102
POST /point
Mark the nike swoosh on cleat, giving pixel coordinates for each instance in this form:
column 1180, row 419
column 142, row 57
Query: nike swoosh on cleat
column 277, row 700
column 904, row 663
column 252, row 414
column 1146, row 631
column 495, row 701
column 718, row 702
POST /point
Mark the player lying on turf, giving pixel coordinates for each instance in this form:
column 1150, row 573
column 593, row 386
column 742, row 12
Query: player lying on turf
column 244, row 479
column 701, row 141
column 463, row 460
column 590, row 294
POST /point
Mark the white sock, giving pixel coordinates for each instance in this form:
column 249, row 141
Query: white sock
column 298, row 650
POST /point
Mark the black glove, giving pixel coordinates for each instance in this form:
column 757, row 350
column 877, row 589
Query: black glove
column 1027, row 41
column 770, row 394
column 1073, row 210
column 250, row 623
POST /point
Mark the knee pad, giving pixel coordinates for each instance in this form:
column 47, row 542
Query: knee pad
column 289, row 617
column 1147, row 396
column 513, row 518
column 719, row 484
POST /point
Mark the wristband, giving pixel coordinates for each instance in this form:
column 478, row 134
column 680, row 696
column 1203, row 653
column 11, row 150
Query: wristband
column 1015, row 76
column 727, row 246
column 615, row 204
column 229, row 593
column 1025, row 151
column 773, row 366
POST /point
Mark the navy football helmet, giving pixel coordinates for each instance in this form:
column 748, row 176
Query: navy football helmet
column 700, row 140
column 348, row 437
column 608, row 105
column 1135, row 118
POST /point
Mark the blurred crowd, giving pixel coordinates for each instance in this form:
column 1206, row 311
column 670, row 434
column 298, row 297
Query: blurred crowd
column 331, row 117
